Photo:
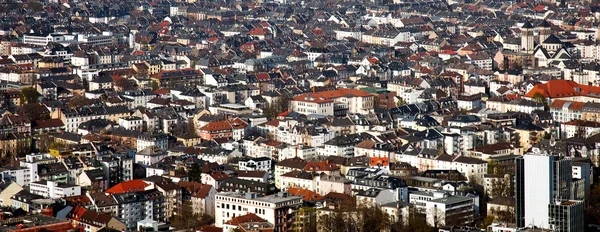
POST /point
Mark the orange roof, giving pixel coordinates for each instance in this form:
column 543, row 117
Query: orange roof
column 217, row 126
column 259, row 31
column 513, row 96
column 321, row 166
column 576, row 106
column 238, row 123
column 563, row 88
column 306, row 194
column 162, row 91
column 558, row 104
column 128, row 186
column 219, row 176
column 376, row 161
column 245, row 218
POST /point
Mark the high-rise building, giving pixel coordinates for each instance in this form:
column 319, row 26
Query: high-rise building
column 542, row 182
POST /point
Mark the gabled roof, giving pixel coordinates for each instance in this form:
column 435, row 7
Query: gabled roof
column 245, row 218
column 136, row 185
column 306, row 194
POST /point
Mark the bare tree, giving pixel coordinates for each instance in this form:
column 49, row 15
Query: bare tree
column 44, row 141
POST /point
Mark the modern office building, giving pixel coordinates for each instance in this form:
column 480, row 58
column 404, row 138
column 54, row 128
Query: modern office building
column 543, row 193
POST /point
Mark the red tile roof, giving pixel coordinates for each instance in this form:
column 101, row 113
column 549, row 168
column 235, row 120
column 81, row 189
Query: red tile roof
column 217, row 126
column 563, row 88
column 47, row 123
column 321, row 166
column 306, row 194
column 583, row 123
column 245, row 218
column 219, row 176
column 129, row 186
column 197, row 189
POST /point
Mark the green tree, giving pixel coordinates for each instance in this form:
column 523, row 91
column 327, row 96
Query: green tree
column 541, row 99
column 29, row 95
column 155, row 85
column 487, row 221
column 195, row 173
column 400, row 102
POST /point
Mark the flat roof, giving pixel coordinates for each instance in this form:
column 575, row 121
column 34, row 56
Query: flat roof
column 452, row 199
column 234, row 106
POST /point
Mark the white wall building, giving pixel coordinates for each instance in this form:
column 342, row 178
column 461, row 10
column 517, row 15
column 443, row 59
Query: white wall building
column 53, row 189
column 271, row 208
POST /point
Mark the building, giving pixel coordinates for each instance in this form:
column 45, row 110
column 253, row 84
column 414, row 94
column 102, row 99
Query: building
column 442, row 209
column 276, row 209
column 137, row 206
column 158, row 140
column 53, row 189
column 254, row 164
column 542, row 182
column 334, row 102
column 566, row 216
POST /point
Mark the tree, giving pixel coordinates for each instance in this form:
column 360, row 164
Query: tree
column 124, row 83
column 487, row 221
column 35, row 111
column 57, row 145
column 195, row 173
column 155, row 85
column 187, row 220
column 400, row 102
column 43, row 142
column 501, row 187
column 29, row 95
column 191, row 127
column 305, row 220
column 541, row 99
column 280, row 104
column 438, row 217
column 353, row 218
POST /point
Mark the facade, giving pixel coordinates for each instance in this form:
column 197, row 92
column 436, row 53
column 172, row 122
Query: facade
column 334, row 102
column 276, row 209
column 53, row 189
column 541, row 181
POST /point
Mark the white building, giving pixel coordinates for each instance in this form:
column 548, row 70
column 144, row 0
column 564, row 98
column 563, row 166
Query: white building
column 255, row 164
column 150, row 155
column 334, row 102
column 132, row 123
column 19, row 175
column 53, row 189
column 157, row 140
column 271, row 208
column 542, row 180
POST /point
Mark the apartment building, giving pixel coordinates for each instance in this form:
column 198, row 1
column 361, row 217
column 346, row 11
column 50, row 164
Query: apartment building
column 53, row 189
column 334, row 102
column 277, row 209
